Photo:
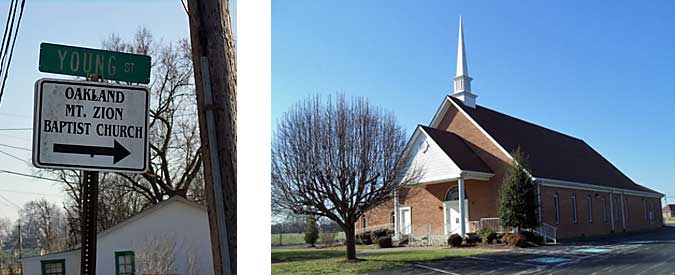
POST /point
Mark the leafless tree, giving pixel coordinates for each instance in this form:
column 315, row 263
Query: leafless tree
column 115, row 204
column 336, row 158
column 47, row 222
column 157, row 255
column 175, row 159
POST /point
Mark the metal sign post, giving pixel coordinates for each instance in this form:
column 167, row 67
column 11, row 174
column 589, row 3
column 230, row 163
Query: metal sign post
column 88, row 221
column 91, row 126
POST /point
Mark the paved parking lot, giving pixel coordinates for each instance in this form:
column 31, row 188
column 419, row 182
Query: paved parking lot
column 649, row 253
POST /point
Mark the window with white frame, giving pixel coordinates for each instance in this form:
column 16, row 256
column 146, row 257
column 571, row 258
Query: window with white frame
column 363, row 221
column 574, row 208
column 556, row 206
column 589, row 201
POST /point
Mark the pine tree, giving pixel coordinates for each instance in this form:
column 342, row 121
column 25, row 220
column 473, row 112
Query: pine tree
column 311, row 230
column 516, row 196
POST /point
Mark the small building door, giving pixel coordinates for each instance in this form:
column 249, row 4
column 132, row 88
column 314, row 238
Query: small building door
column 406, row 220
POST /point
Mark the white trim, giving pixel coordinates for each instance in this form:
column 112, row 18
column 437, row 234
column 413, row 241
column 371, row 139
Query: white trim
column 437, row 120
column 473, row 175
column 469, row 175
column 593, row 187
column 462, row 208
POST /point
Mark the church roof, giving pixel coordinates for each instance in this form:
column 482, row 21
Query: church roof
column 550, row 154
column 458, row 150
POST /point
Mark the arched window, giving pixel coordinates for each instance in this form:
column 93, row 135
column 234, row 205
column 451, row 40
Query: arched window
column 453, row 194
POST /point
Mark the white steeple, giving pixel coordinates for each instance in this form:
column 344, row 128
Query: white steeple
column 462, row 79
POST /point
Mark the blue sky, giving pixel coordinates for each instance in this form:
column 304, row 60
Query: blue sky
column 603, row 73
column 80, row 23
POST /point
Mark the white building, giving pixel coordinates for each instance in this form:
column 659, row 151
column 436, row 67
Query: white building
column 172, row 237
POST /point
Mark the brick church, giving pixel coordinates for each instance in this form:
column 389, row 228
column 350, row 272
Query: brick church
column 464, row 153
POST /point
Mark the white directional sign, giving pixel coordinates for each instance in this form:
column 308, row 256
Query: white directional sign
column 90, row 126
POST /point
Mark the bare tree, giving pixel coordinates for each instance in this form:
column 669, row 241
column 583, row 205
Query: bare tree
column 116, row 203
column 175, row 159
column 47, row 223
column 157, row 255
column 336, row 159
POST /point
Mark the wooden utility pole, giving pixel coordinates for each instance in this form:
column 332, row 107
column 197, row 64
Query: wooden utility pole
column 213, row 59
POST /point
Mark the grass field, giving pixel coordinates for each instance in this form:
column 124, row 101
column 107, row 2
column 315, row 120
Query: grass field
column 288, row 239
column 306, row 261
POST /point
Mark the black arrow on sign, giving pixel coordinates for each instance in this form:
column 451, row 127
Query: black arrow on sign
column 118, row 152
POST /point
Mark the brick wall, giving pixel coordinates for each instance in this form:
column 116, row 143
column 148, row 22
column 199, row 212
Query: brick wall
column 635, row 215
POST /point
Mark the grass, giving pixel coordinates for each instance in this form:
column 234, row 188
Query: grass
column 288, row 239
column 308, row 261
column 295, row 238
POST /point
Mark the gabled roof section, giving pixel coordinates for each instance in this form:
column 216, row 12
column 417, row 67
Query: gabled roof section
column 458, row 150
column 550, row 154
column 172, row 200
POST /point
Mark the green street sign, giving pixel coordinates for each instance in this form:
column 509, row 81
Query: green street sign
column 78, row 61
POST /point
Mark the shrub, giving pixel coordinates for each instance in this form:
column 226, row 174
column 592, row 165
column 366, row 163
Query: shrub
column 454, row 240
column 515, row 239
column 486, row 235
column 327, row 237
column 532, row 237
column 471, row 238
column 491, row 237
column 364, row 238
column 383, row 232
column 311, row 231
column 384, row 242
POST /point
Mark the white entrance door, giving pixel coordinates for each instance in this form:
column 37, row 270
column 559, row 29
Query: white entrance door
column 452, row 218
column 406, row 222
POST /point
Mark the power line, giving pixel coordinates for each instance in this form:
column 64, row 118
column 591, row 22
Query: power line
column 10, row 34
column 185, row 7
column 11, row 53
column 27, row 175
column 14, row 115
column 16, row 129
column 14, row 157
column 12, row 203
column 16, row 147
column 28, row 193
